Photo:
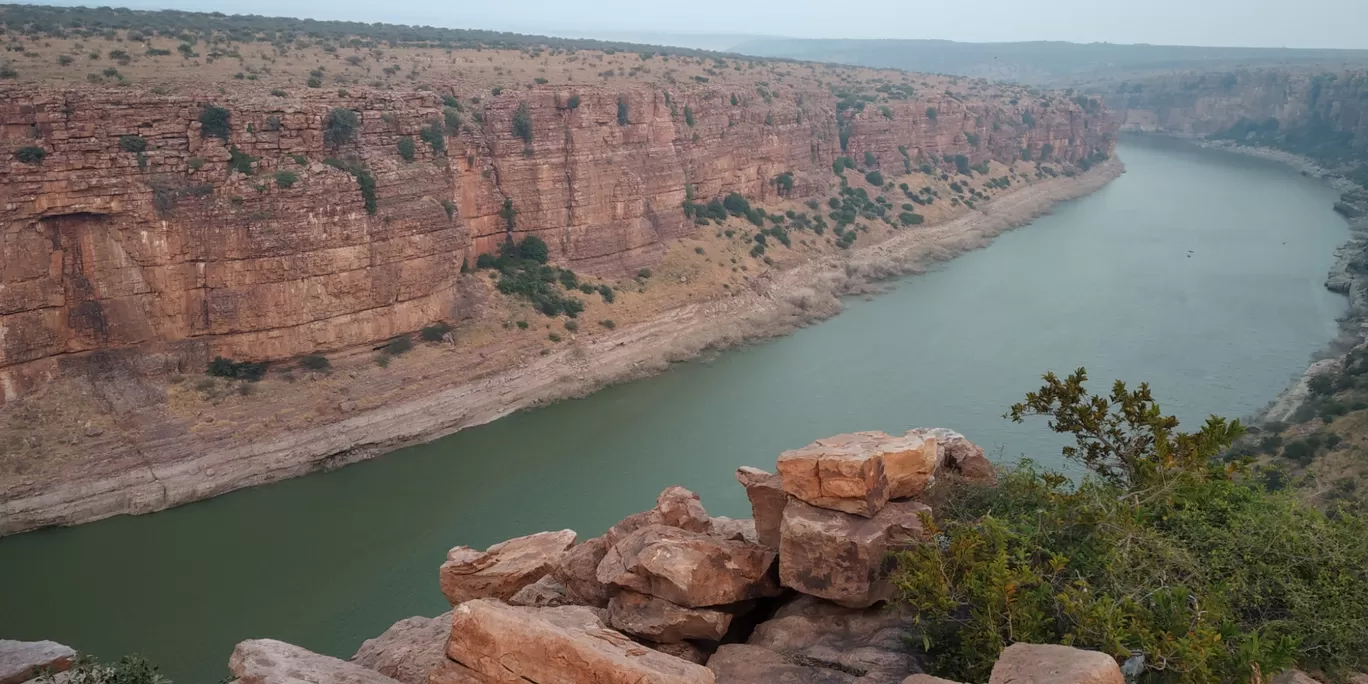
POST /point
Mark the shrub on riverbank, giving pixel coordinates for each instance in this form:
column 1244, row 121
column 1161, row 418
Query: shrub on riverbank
column 1162, row 551
column 523, row 272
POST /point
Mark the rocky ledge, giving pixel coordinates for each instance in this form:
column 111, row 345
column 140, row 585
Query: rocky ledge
column 799, row 593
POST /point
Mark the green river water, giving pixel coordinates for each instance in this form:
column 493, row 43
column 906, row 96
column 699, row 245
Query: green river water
column 1199, row 271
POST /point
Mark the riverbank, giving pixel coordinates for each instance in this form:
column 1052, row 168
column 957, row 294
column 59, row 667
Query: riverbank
column 426, row 398
column 1343, row 277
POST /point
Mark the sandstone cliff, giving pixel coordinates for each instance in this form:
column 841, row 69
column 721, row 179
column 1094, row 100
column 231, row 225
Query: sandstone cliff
column 159, row 254
column 1321, row 114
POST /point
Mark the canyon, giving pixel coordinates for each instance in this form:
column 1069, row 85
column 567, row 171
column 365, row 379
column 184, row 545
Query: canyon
column 163, row 228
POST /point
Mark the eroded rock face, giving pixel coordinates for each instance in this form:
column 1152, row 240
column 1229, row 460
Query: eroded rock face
column 688, row 568
column 870, row 643
column 1053, row 664
column 735, row 530
column 409, row 651
column 926, row 679
column 504, row 568
column 839, row 556
column 267, row 661
column 21, row 661
column 767, row 499
column 958, row 455
column 859, row 472
column 566, row 645
column 661, row 621
column 544, row 593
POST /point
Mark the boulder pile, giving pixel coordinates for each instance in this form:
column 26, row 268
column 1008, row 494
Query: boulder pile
column 672, row 595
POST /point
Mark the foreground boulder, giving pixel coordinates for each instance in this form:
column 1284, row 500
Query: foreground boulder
column 859, row 472
column 21, row 661
column 688, row 568
column 661, row 621
column 745, row 664
column 566, row 645
column 767, row 499
column 409, row 651
column 870, row 643
column 1053, row 664
column 578, row 569
column 839, row 556
column 267, row 661
column 504, row 568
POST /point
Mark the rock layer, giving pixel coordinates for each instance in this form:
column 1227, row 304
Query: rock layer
column 502, row 570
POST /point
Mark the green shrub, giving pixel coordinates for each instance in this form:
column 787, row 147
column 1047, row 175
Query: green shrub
column 522, row 123
column 451, row 118
column 285, row 179
column 522, row 325
column 622, row 114
column 435, row 332
column 131, row 669
column 398, row 345
column 340, row 126
column 1161, row 551
column 644, row 273
column 534, row 248
column 250, row 371
column 433, row 136
column 132, row 143
column 31, row 154
column 214, row 121
column 609, row 324
column 572, row 326
column 315, row 362
column 931, row 113
column 240, row 161
column 406, row 148
column 607, row 294
column 875, row 178
column 573, row 102
column 364, row 179
column 277, row 92
column 688, row 116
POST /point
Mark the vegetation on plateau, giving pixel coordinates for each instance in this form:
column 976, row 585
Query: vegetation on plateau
column 1165, row 554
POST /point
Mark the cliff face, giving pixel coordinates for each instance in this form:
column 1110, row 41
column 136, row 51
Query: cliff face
column 173, row 256
column 1322, row 114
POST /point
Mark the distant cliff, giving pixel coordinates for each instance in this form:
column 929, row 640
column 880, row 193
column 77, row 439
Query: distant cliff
column 1323, row 115
column 243, row 223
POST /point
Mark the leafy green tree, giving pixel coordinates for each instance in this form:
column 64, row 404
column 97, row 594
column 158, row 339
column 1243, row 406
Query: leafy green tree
column 406, row 148
column 622, row 114
column 214, row 122
column 340, row 126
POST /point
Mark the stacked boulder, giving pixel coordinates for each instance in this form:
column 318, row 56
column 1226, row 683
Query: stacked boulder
column 675, row 596
column 789, row 593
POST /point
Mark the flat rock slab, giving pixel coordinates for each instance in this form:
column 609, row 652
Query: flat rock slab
column 859, row 472
column 690, row 569
column 839, row 556
column 660, row 621
column 21, row 661
column 267, row 661
column 870, row 642
column 565, row 645
column 504, row 568
column 744, row 664
column 959, row 456
column 409, row 651
column 1053, row 664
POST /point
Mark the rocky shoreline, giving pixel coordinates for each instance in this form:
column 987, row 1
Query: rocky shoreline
column 793, row 298
column 1343, row 277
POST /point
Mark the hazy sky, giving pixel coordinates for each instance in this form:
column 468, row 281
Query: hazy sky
column 1254, row 23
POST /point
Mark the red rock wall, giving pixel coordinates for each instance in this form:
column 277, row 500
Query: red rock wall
column 100, row 251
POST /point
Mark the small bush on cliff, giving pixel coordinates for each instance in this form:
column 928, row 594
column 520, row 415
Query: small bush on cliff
column 406, row 148
column 875, row 178
column 214, row 122
column 250, row 371
column 1163, row 551
column 286, row 179
column 340, row 127
column 364, row 180
column 132, row 143
column 31, row 154
column 435, row 332
column 433, row 136
column 931, row 113
column 315, row 362
column 522, row 123
column 622, row 114
column 533, row 248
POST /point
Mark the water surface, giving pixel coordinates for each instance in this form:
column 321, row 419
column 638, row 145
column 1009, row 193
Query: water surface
column 1199, row 271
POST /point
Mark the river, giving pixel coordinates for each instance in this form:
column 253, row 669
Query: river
column 1199, row 271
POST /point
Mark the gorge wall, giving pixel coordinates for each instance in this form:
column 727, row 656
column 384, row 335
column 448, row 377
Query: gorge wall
column 1320, row 114
column 168, row 256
